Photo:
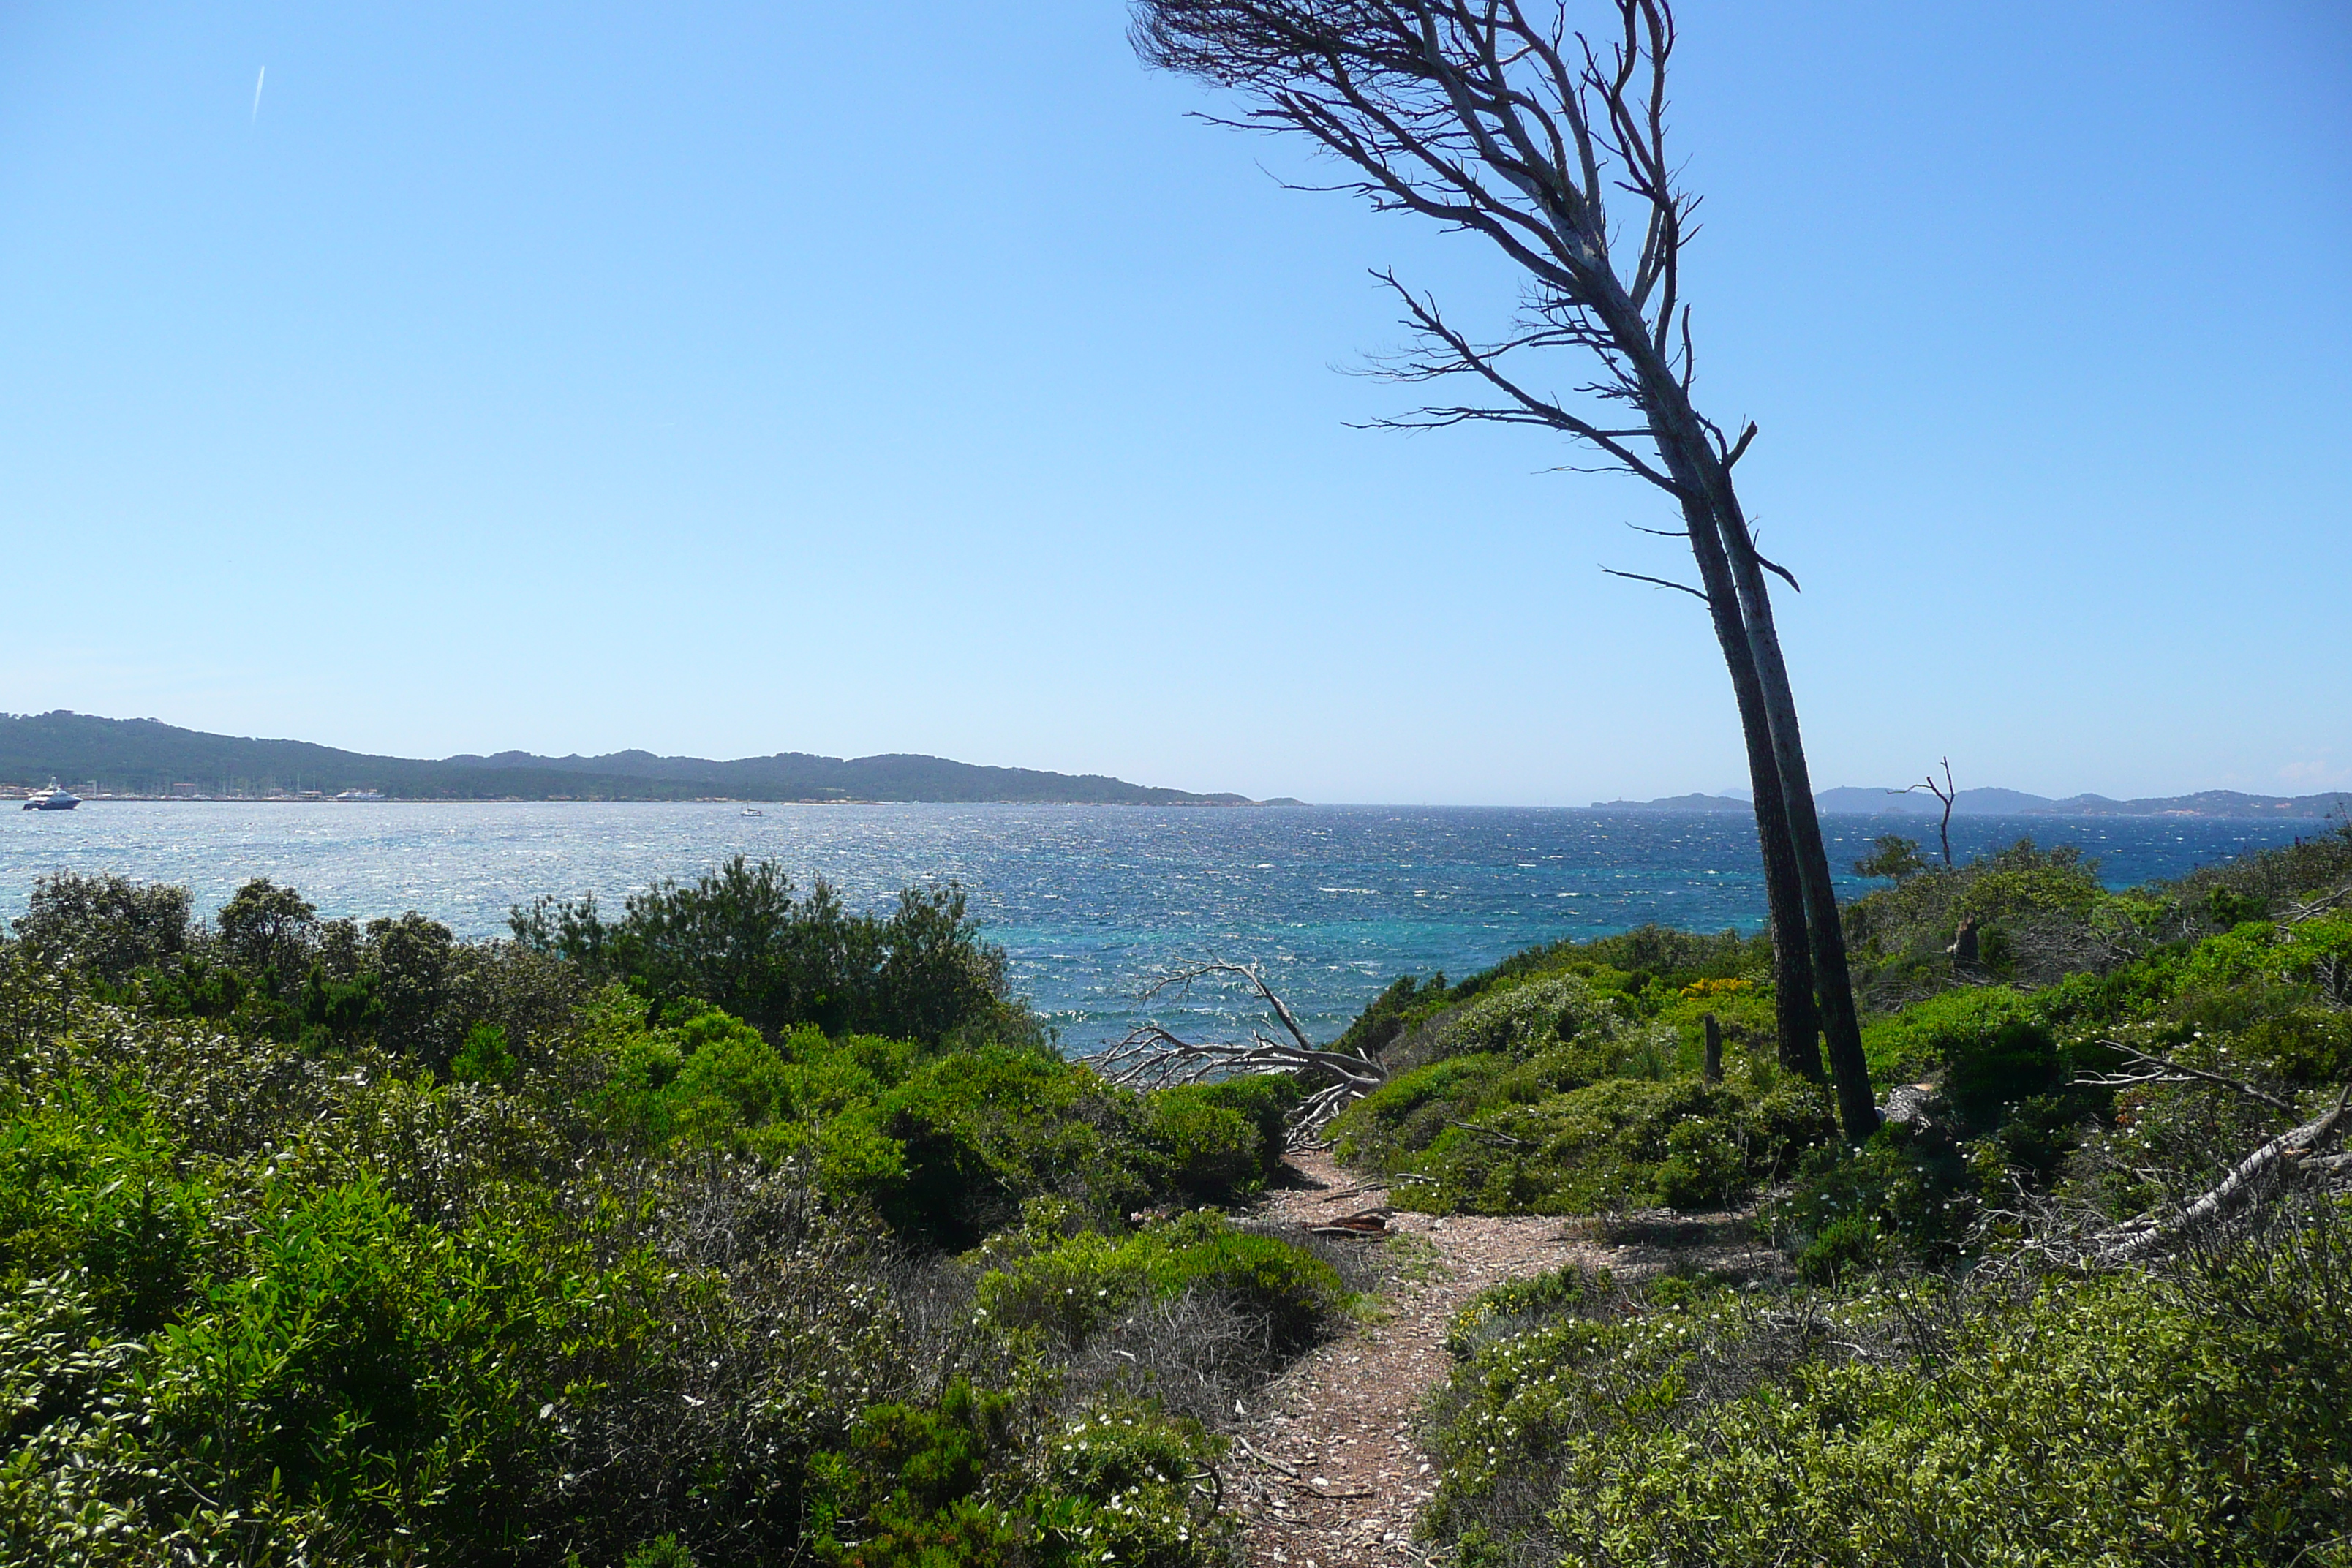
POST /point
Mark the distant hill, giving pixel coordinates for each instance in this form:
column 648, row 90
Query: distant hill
column 1679, row 803
column 1847, row 801
column 144, row 756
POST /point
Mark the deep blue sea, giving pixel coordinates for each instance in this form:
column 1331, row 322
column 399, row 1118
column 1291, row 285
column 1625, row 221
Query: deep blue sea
column 1090, row 903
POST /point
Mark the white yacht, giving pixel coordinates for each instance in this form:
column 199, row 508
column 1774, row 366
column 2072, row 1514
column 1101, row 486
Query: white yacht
column 51, row 799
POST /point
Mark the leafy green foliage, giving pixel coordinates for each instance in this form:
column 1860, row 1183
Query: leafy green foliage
column 742, row 938
column 921, row 1486
column 330, row 1242
column 1891, row 856
column 1549, row 1093
column 1045, row 1280
column 1620, row 1143
column 2129, row 1418
column 1220, row 1141
column 107, row 926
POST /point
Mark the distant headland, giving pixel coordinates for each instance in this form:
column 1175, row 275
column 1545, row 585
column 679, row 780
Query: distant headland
column 1847, row 801
column 144, row 758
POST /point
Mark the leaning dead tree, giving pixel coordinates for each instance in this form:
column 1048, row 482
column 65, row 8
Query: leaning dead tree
column 1150, row 1056
column 1496, row 118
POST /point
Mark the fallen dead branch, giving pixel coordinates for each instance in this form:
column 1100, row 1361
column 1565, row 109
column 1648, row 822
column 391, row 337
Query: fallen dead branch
column 1362, row 1222
column 2246, row 1183
column 1151, row 1057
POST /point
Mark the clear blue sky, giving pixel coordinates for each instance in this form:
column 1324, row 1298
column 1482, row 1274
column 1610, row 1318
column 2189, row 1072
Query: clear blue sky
column 732, row 379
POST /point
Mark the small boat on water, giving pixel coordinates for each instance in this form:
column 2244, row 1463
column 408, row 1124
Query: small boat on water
column 51, row 799
column 752, row 811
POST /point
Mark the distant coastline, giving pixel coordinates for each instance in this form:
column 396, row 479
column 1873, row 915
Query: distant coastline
column 144, row 759
column 1848, row 801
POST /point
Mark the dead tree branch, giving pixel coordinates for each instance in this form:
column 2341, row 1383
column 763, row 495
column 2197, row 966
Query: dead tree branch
column 2165, row 1069
column 1151, row 1057
column 1945, row 792
column 2247, row 1182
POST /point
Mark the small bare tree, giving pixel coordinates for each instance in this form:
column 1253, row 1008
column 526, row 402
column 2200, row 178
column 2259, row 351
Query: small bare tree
column 1150, row 1056
column 1496, row 118
column 1945, row 792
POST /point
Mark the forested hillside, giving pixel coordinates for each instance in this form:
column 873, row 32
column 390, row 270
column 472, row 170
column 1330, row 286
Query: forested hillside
column 142, row 756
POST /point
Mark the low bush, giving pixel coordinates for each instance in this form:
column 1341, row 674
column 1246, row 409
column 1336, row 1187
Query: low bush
column 1621, row 1143
column 744, row 939
column 322, row 1242
column 2125, row 1419
column 1062, row 1284
column 1219, row 1141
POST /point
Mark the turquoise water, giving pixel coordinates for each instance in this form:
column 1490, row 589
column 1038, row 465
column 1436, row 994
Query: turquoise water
column 1089, row 903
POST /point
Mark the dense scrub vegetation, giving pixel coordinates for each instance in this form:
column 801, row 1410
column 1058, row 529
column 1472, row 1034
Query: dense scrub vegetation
column 746, row 1228
column 742, row 1229
column 1978, row 1357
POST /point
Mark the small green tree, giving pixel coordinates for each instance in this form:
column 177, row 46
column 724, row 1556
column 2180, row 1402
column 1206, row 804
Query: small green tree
column 1892, row 856
column 269, row 930
column 107, row 925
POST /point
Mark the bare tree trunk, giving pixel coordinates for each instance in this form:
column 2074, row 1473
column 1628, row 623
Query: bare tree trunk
column 1840, row 1025
column 1795, row 1013
column 1717, row 528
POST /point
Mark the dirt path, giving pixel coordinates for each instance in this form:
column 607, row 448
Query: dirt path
column 1328, row 1473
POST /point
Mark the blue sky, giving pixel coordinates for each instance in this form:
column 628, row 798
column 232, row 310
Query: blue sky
column 846, row 379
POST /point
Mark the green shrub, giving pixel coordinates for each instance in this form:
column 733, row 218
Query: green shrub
column 983, row 1130
column 943, row 1487
column 1046, row 1284
column 107, row 925
column 484, row 1057
column 1264, row 1101
column 431, row 1254
column 1390, row 1126
column 1211, row 1152
column 742, row 938
column 902, row 1487
column 90, row 1185
column 1122, row 1483
column 2121, row 1418
column 1621, row 1143
column 1929, row 1035
column 1903, row 1196
column 1515, row 1306
column 1521, row 1019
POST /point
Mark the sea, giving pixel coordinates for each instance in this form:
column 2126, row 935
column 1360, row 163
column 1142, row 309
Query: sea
column 1091, row 904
